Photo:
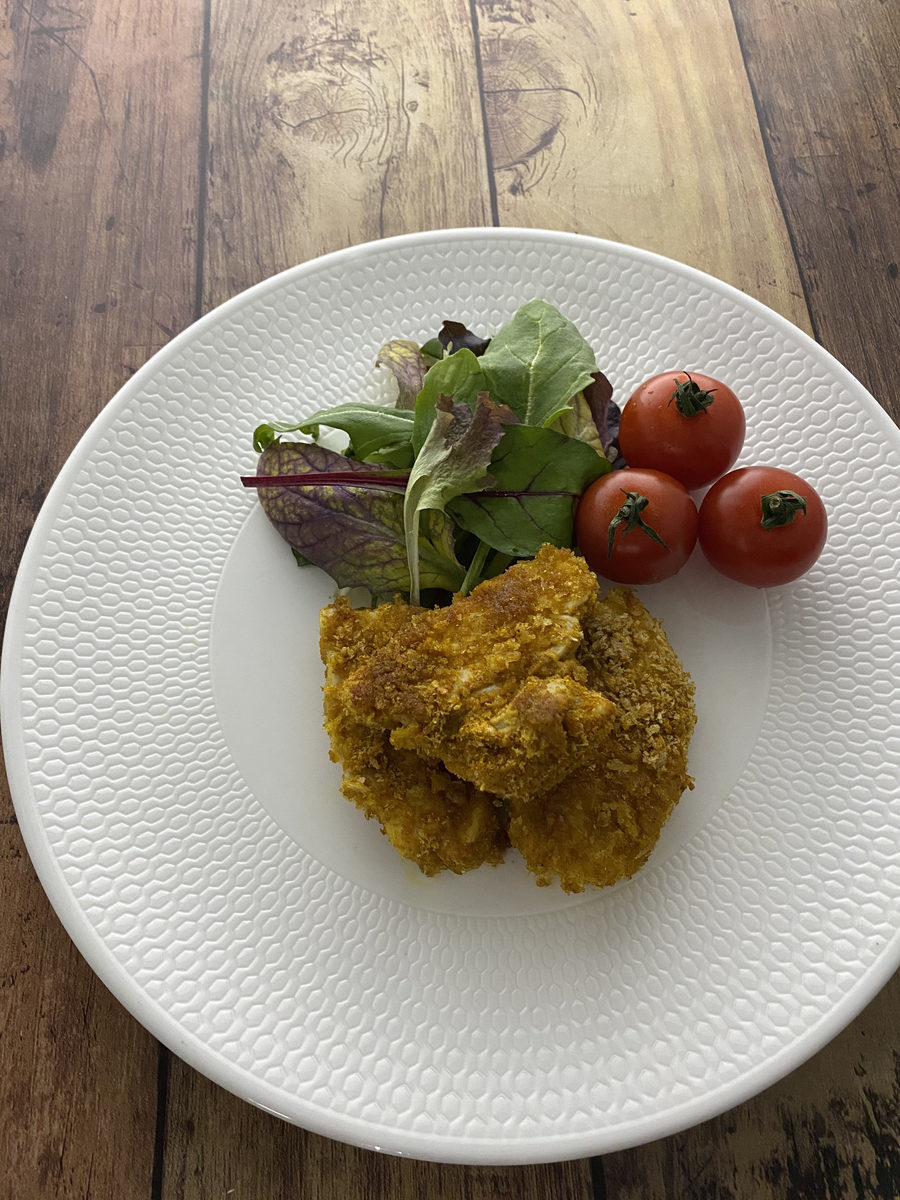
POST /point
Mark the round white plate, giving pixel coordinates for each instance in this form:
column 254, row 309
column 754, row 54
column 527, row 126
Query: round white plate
column 162, row 730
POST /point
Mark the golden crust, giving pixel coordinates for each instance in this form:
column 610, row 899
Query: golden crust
column 435, row 820
column 531, row 712
column 600, row 824
column 492, row 686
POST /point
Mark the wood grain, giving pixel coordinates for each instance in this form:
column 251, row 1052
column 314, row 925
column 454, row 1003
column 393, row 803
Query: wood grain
column 829, row 1131
column 335, row 124
column 156, row 158
column 209, row 1133
column 98, row 153
column 100, row 176
column 825, row 77
column 642, row 131
column 819, row 71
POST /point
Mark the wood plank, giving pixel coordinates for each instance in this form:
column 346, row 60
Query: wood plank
column 77, row 1073
column 332, row 124
column 217, row 1146
column 98, row 155
column 830, row 1130
column 643, row 132
column 825, row 75
column 100, row 175
column 825, row 79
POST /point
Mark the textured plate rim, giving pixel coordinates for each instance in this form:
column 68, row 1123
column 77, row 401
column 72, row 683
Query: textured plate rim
column 156, row 1019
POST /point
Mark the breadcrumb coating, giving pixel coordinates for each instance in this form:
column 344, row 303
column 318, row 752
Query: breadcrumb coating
column 601, row 823
column 435, row 820
column 531, row 713
column 492, row 686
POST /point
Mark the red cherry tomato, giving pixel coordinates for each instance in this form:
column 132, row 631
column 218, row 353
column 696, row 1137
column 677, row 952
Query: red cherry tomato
column 762, row 526
column 689, row 425
column 636, row 526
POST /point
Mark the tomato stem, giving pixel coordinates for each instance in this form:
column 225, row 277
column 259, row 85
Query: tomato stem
column 630, row 516
column 780, row 508
column 690, row 399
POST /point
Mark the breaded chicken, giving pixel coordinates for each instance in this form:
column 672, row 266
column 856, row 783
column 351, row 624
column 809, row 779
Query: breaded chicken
column 600, row 824
column 492, row 686
column 437, row 821
column 574, row 709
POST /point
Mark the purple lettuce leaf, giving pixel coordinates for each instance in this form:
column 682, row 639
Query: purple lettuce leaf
column 455, row 336
column 605, row 414
column 405, row 362
column 355, row 534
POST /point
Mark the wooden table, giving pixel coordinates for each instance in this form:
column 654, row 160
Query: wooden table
column 158, row 157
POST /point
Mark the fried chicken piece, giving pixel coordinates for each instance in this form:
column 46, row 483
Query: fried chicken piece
column 492, row 686
column 600, row 824
column 575, row 709
column 435, row 820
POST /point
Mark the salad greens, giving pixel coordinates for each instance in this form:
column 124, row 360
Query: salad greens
column 481, row 460
column 453, row 460
column 355, row 534
column 405, row 360
column 537, row 363
column 538, row 476
column 459, row 377
column 376, row 434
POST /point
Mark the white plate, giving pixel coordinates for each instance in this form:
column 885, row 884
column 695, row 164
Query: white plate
column 162, row 729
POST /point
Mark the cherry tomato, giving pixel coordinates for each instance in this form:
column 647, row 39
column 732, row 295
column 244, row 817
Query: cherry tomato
column 762, row 526
column 636, row 526
column 689, row 425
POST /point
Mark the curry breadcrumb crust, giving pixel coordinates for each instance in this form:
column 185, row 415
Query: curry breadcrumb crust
column 530, row 713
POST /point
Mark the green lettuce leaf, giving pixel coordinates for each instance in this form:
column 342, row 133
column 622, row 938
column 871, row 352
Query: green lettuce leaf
column 432, row 351
column 536, row 363
column 371, row 428
column 453, row 460
column 538, row 476
column 266, row 434
column 458, row 377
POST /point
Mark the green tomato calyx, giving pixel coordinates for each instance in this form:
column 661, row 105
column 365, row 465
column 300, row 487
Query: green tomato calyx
column 630, row 515
column 690, row 399
column 780, row 508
